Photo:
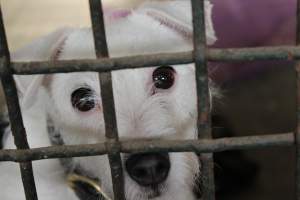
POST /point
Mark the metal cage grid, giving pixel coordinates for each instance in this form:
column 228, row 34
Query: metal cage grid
column 112, row 146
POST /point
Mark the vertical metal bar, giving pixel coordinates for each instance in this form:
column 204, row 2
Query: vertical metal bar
column 297, row 132
column 203, row 101
column 14, row 112
column 107, row 101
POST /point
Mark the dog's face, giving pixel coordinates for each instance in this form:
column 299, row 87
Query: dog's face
column 149, row 103
column 157, row 102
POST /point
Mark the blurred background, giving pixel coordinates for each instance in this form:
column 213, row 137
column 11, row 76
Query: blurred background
column 258, row 97
column 26, row 20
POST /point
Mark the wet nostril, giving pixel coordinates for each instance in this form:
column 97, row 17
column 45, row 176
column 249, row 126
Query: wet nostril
column 160, row 168
column 148, row 168
column 139, row 172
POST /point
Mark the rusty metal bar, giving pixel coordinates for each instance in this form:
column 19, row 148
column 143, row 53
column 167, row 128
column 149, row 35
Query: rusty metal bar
column 297, row 131
column 15, row 117
column 113, row 146
column 111, row 131
column 203, row 101
column 129, row 62
column 133, row 146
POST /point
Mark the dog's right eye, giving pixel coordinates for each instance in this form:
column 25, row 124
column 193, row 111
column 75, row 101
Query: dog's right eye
column 83, row 99
column 163, row 77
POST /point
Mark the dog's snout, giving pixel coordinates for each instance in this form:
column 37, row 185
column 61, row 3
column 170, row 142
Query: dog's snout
column 148, row 169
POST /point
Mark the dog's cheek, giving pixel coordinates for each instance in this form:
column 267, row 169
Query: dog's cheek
column 183, row 98
column 187, row 164
column 181, row 180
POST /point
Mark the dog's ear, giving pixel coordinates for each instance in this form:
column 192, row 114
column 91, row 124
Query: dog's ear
column 177, row 16
column 43, row 49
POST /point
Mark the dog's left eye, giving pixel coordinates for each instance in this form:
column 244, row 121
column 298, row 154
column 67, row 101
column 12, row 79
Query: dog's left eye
column 163, row 77
column 82, row 99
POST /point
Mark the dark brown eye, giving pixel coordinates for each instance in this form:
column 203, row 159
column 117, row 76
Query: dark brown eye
column 83, row 99
column 163, row 77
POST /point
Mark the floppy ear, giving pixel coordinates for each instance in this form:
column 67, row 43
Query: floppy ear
column 177, row 16
column 43, row 49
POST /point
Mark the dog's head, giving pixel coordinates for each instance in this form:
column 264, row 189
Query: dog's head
column 157, row 102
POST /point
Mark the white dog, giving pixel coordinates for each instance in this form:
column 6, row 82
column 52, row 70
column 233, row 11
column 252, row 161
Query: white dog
column 157, row 102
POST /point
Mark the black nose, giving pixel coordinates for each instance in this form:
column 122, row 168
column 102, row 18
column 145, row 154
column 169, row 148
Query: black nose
column 148, row 169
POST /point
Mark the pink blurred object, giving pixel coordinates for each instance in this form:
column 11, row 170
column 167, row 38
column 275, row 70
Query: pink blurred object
column 252, row 23
column 241, row 23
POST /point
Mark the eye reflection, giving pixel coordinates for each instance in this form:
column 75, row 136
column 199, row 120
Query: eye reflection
column 83, row 99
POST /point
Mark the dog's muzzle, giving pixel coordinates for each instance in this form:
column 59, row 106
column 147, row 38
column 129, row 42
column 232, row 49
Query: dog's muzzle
column 148, row 169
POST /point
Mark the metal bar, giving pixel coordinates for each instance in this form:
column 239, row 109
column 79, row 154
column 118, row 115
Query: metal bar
column 113, row 146
column 109, row 113
column 203, row 101
column 98, row 28
column 133, row 146
column 297, row 131
column 15, row 117
column 109, row 64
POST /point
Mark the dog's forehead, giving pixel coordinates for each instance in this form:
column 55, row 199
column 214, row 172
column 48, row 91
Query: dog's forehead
column 91, row 79
column 135, row 35
column 77, row 78
column 152, row 28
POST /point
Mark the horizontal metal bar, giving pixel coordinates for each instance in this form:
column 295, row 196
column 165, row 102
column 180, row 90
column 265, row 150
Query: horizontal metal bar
column 135, row 146
column 100, row 65
column 129, row 62
column 254, row 54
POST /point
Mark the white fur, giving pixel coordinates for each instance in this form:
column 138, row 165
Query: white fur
column 168, row 114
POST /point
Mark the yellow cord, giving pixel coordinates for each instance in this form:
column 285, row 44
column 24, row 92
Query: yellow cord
column 72, row 178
